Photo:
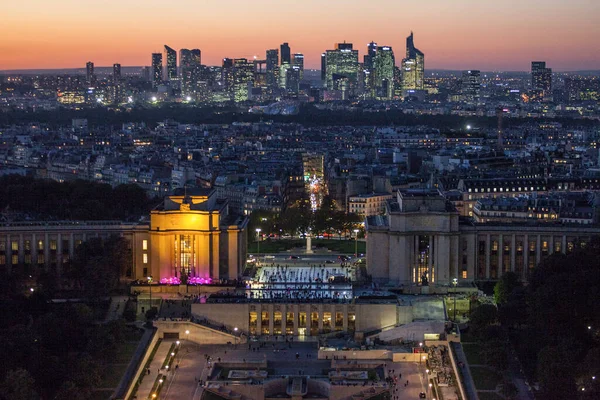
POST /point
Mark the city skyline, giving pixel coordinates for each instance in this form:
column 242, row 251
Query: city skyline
column 464, row 35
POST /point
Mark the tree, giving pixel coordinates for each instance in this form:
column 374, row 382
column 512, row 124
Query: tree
column 482, row 317
column 555, row 374
column 505, row 286
column 18, row 385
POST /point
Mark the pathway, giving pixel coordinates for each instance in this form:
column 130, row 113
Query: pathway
column 145, row 387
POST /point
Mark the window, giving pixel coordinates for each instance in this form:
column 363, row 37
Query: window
column 28, row 245
column 40, row 245
column 145, row 258
column 464, row 274
column 14, row 245
column 40, row 259
column 144, row 245
column 2, row 246
column 14, row 259
column 53, row 245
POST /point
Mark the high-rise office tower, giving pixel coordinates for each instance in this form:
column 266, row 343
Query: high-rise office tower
column 323, row 66
column 286, row 57
column 157, row 68
column 89, row 72
column 341, row 69
column 383, row 73
column 298, row 61
column 116, row 73
column 169, row 63
column 541, row 77
column 292, row 80
column 272, row 69
column 370, row 56
column 243, row 76
column 189, row 70
column 413, row 67
column 470, row 85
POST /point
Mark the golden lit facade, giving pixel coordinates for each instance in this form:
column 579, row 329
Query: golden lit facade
column 189, row 236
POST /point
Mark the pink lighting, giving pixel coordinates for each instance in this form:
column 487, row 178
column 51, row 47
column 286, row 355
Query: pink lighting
column 192, row 280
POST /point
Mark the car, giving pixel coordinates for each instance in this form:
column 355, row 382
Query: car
column 294, row 257
column 422, row 395
column 328, row 261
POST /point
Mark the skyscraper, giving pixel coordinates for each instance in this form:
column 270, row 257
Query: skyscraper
column 368, row 60
column 169, row 63
column 383, row 73
column 298, row 61
column 89, row 72
column 285, row 51
column 116, row 73
column 541, row 77
column 243, row 76
column 413, row 67
column 189, row 70
column 272, row 69
column 470, row 85
column 323, row 66
column 341, row 69
column 157, row 69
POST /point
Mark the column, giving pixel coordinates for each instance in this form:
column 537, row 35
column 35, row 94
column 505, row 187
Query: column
column 551, row 245
column 271, row 319
column 59, row 254
column 500, row 254
column 47, row 251
column 563, row 246
column 258, row 320
column 430, row 255
column 513, row 252
column 21, row 249
column 283, row 319
column 538, row 253
column 413, row 268
column 525, row 256
column 320, row 308
column 296, row 319
column 345, row 323
column 488, row 251
column 72, row 246
column 457, row 259
column 8, row 253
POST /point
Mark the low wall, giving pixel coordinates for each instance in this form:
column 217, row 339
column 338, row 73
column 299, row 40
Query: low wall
column 197, row 333
column 182, row 289
column 355, row 354
column 141, row 366
column 453, row 361
column 409, row 357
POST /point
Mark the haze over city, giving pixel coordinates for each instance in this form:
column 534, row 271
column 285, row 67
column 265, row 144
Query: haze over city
column 462, row 34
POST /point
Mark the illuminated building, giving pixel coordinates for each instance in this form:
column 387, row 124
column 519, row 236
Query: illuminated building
column 243, row 77
column 298, row 61
column 286, row 57
column 116, row 73
column 382, row 76
column 190, row 66
column 89, row 72
column 541, row 78
column 157, row 69
column 421, row 243
column 341, row 69
column 169, row 64
column 470, row 85
column 293, row 78
column 413, row 67
column 272, row 69
column 323, row 66
column 191, row 235
column 368, row 61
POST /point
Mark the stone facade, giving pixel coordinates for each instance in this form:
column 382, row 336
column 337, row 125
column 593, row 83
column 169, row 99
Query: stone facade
column 421, row 241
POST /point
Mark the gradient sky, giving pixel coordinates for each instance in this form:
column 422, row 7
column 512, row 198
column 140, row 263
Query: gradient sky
column 453, row 34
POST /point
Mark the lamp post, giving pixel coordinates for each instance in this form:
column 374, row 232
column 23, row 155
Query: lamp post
column 235, row 336
column 454, row 282
column 356, row 243
column 150, row 284
column 258, row 243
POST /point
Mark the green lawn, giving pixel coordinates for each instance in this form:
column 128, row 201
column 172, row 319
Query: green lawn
column 488, row 396
column 485, row 379
column 278, row 246
column 472, row 351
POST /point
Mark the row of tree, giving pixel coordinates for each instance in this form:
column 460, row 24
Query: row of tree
column 44, row 199
column 555, row 322
column 300, row 219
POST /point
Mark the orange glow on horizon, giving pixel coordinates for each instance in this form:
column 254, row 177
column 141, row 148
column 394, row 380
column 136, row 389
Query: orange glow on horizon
column 463, row 34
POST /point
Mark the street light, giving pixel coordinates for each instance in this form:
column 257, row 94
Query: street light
column 150, row 283
column 356, row 243
column 258, row 242
column 235, row 336
column 455, row 282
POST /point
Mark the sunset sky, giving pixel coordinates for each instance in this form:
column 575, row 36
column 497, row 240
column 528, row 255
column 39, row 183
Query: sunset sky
column 453, row 34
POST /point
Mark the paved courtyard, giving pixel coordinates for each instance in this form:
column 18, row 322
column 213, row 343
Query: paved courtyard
column 182, row 382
